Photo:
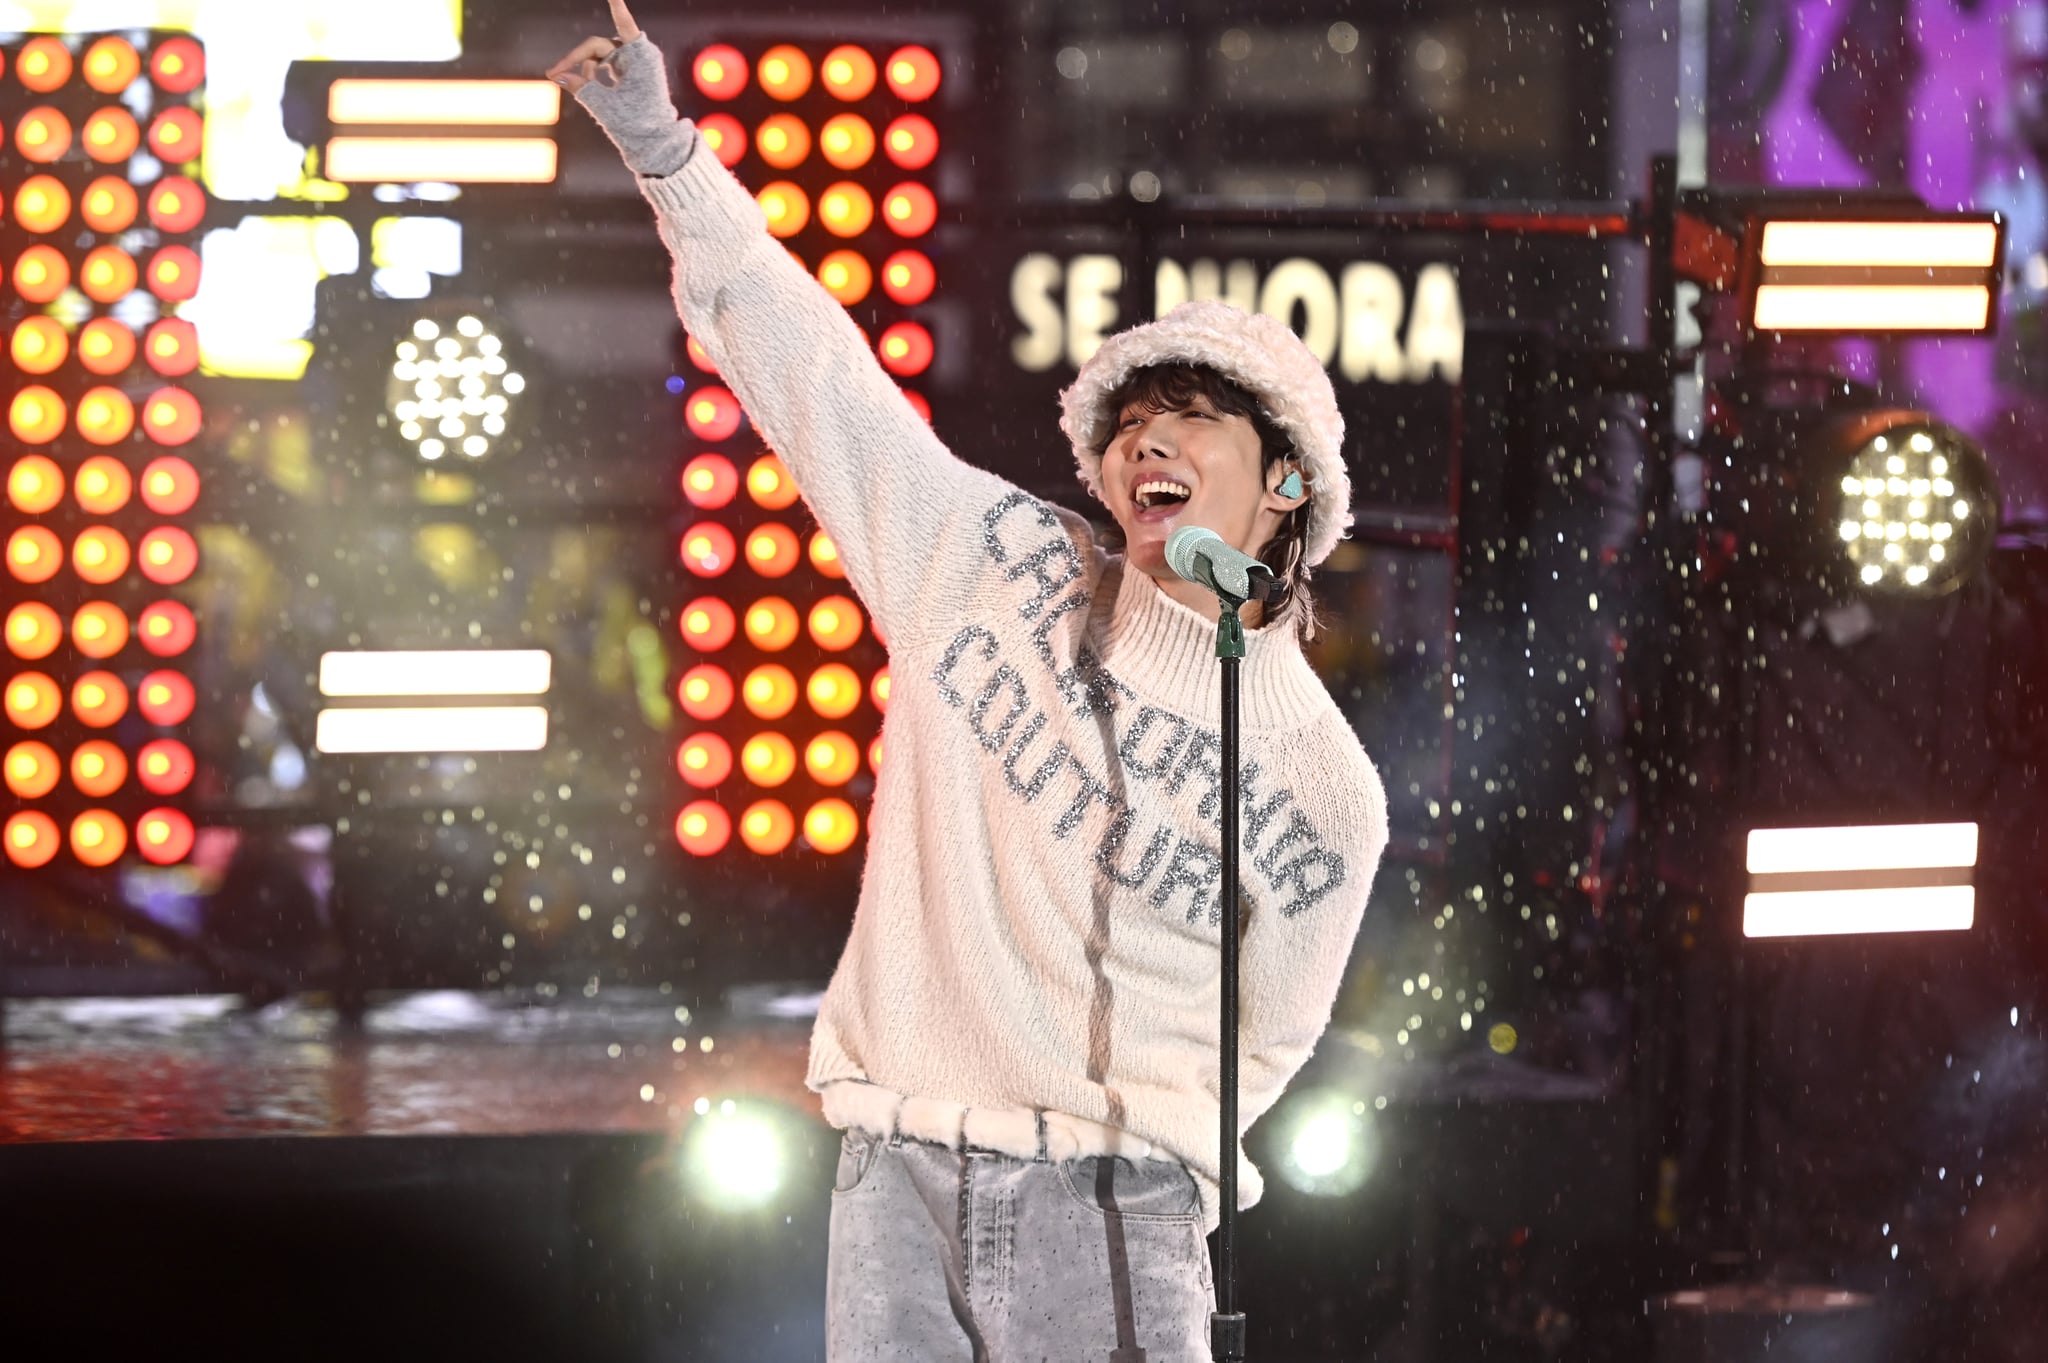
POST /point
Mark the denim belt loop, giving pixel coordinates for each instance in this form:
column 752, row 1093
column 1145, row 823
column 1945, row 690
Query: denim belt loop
column 896, row 1126
column 960, row 1141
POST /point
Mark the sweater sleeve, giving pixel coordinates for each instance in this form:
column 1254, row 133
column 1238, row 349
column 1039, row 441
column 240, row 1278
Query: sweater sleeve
column 891, row 496
column 1292, row 965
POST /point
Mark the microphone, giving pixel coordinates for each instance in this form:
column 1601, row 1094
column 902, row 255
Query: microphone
column 1200, row 555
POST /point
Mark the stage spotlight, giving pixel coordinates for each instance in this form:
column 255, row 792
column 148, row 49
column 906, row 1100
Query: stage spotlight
column 703, row 828
column 771, row 624
column 105, row 416
column 847, row 276
column 177, row 66
column 99, row 699
column 164, row 766
column 33, row 701
column 166, row 698
column 175, row 135
column 769, row 691
column 768, row 759
column 31, row 839
column 704, row 760
column 699, row 356
column 33, row 554
column 772, row 550
column 35, row 484
column 726, row 138
column 835, row 623
column 98, row 837
column 109, row 205
column 103, row 485
column 846, row 209
column 785, row 73
column 770, row 485
column 44, row 64
column 783, row 140
column 31, row 770
column 708, row 549
column 834, row 691
column 908, row 277
column 452, row 388
column 33, row 631
column 111, row 65
column 171, row 416
column 910, row 210
column 849, row 72
column 167, row 555
column 111, row 135
column 41, row 274
column 171, row 348
column 720, row 72
column 913, row 73
column 911, row 141
column 1932, row 274
column 1832, row 881
column 880, row 689
column 712, row 414
column 847, row 141
column 169, row 485
column 875, row 755
column 831, row 826
column 164, row 836
column 705, row 692
column 99, row 629
column 1327, row 1146
column 831, row 758
column 174, row 274
column 767, row 827
column 825, row 558
column 905, row 349
column 42, row 136
column 166, row 628
column 107, row 275
column 36, row 416
column 786, row 207
column 39, row 345
column 708, row 624
column 98, row 769
column 100, row 555
column 106, row 347
column 176, row 204
column 735, row 1158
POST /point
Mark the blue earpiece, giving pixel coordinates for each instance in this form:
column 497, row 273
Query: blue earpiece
column 1290, row 486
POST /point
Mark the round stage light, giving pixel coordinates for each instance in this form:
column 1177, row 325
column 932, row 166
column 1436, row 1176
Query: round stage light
column 99, row 629
column 847, row 276
column 831, row 826
column 770, row 485
column 169, row 485
column 171, row 348
column 105, row 347
column 174, row 274
column 704, row 760
column 910, row 210
column 178, row 66
column 166, row 698
column 785, row 73
column 848, row 72
column 100, row 555
column 33, row 554
column 737, row 1159
column 106, row 416
column 875, row 755
column 98, row 768
column 98, row 837
column 111, row 65
column 1916, row 509
column 720, row 72
column 913, row 73
column 176, row 134
column 712, row 414
column 164, row 837
column 111, row 135
column 824, row 556
column 36, row 416
column 33, row 631
column 44, row 64
column 109, row 205
column 35, row 484
column 908, row 277
column 31, row 839
column 847, row 141
column 452, row 389
column 905, row 349
column 783, row 140
column 708, row 549
column 107, row 275
column 42, row 136
column 846, row 209
column 41, row 274
column 167, row 555
column 772, row 550
column 726, row 138
column 880, row 687
column 171, row 416
column 33, row 701
column 99, row 699
column 699, row 356
column 835, row 623
column 768, row 759
column 164, row 766
column 176, row 204
column 705, row 692
column 166, row 628
column 710, row 481
column 911, row 141
column 766, row 827
column 708, row 624
column 787, row 208
column 1327, row 1147
column 42, row 204
column 103, row 485
column 39, row 345
column 834, row 691
column 832, row 759
column 31, row 770
column 771, row 624
column 703, row 828
column 769, row 691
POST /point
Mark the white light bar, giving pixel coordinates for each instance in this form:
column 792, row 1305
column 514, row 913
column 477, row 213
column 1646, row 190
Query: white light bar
column 1848, row 307
column 450, row 672
column 1879, row 878
column 433, row 729
column 451, row 160
column 446, row 103
column 1915, row 245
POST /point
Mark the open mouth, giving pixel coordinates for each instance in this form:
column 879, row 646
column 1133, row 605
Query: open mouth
column 1160, row 494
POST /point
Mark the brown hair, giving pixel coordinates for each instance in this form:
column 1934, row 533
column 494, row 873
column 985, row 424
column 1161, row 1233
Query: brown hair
column 1171, row 387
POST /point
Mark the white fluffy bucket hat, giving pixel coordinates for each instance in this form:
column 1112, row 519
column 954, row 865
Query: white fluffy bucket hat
column 1256, row 352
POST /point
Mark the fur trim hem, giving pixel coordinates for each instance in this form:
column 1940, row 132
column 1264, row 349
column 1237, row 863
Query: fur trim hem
column 1008, row 1131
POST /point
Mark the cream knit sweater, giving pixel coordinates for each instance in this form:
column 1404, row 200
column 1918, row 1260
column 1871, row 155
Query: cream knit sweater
column 1038, row 922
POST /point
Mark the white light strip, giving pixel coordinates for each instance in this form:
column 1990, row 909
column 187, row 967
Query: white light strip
column 447, row 103
column 447, row 672
column 1849, row 307
column 1823, row 913
column 1927, row 245
column 1889, row 847
column 449, row 160
column 442, row 729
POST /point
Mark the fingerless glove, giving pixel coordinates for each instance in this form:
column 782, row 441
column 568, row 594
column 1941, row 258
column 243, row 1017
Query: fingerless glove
column 637, row 114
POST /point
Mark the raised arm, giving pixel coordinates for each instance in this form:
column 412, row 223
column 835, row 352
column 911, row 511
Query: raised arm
column 891, row 496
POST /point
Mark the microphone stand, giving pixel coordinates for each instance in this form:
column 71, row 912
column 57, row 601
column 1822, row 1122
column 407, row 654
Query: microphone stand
column 1226, row 1323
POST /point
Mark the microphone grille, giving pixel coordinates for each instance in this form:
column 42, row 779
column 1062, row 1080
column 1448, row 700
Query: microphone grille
column 1185, row 545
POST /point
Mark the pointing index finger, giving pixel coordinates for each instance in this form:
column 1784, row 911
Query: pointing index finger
column 622, row 19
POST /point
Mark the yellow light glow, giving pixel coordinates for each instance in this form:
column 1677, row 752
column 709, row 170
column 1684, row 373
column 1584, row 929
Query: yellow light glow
column 446, row 103
column 1928, row 245
column 447, row 729
column 1824, row 913
column 1814, row 307
column 452, row 160
column 1791, row 851
column 450, row 672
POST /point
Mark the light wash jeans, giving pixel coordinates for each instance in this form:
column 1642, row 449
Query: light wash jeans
column 944, row 1256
